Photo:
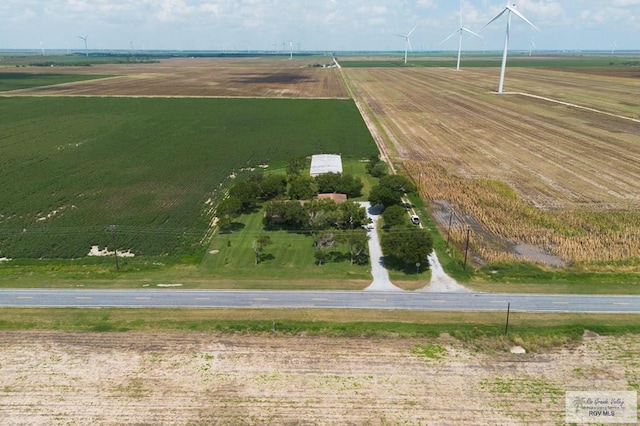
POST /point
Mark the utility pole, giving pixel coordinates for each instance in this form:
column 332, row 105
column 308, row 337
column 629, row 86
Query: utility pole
column 466, row 249
column 112, row 229
column 449, row 228
column 506, row 327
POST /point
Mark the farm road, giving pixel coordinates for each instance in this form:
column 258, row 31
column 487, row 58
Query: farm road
column 381, row 281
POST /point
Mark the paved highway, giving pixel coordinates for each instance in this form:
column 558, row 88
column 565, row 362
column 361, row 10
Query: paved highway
column 176, row 298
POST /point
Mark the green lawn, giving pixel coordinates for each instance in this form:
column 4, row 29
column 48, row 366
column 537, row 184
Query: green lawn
column 289, row 257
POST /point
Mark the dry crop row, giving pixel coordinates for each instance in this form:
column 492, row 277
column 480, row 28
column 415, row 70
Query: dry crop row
column 500, row 222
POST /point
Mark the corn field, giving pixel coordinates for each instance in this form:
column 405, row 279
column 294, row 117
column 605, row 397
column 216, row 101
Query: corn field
column 500, row 221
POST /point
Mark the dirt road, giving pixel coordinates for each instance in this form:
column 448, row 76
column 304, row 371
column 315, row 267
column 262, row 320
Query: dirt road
column 189, row 378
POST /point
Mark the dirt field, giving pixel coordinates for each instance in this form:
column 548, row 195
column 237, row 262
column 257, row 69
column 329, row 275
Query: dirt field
column 65, row 378
column 208, row 77
column 553, row 155
column 564, row 147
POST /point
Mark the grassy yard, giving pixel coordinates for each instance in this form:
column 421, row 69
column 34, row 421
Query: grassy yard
column 483, row 330
column 291, row 254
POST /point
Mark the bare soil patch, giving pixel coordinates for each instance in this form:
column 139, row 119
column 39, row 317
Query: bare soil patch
column 188, row 378
column 208, row 77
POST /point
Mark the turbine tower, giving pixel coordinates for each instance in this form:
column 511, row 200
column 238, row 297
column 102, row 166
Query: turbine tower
column 614, row 47
column 509, row 9
column 461, row 30
column 533, row 46
column 86, row 50
column 407, row 43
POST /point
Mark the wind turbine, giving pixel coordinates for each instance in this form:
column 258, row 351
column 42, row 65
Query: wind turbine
column 614, row 47
column 86, row 50
column 461, row 30
column 407, row 43
column 533, row 46
column 509, row 9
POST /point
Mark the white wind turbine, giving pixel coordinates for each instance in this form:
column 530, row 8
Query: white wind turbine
column 614, row 47
column 461, row 30
column 86, row 50
column 509, row 9
column 407, row 43
column 533, row 46
column 290, row 49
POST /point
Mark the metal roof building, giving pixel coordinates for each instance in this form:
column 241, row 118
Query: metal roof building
column 326, row 163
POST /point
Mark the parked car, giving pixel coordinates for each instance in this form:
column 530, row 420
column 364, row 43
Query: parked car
column 415, row 219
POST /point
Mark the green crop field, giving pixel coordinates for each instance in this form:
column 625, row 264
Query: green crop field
column 15, row 80
column 72, row 166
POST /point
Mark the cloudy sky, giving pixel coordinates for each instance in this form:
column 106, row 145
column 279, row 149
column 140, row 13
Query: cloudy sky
column 327, row 25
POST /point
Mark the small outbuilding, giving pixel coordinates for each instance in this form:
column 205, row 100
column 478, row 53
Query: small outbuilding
column 326, row 163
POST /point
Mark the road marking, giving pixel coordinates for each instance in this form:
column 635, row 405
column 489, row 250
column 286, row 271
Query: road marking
column 260, row 299
column 439, row 301
column 24, row 297
column 143, row 298
column 620, row 303
column 83, row 297
column 559, row 303
column 202, row 298
column 377, row 300
column 319, row 299
column 499, row 301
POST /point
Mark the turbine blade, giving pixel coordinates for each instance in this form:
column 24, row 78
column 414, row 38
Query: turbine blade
column 409, row 44
column 521, row 16
column 411, row 32
column 470, row 32
column 452, row 34
column 496, row 17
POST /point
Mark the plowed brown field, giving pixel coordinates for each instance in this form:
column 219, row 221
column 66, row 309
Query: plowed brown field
column 210, row 77
column 564, row 142
column 187, row 378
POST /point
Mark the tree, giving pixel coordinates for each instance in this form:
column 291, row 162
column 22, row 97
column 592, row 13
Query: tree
column 273, row 186
column 398, row 183
column 247, row 192
column 339, row 183
column 322, row 214
column 356, row 240
column 295, row 166
column 228, row 210
column 379, row 170
column 302, row 188
column 407, row 246
column 384, row 196
column 353, row 215
column 321, row 256
column 259, row 244
column 376, row 167
column 394, row 216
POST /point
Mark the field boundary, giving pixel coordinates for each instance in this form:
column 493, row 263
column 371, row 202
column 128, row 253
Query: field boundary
column 569, row 104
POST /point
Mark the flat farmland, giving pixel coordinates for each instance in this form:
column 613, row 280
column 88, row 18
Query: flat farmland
column 202, row 77
column 186, row 378
column 71, row 166
column 553, row 168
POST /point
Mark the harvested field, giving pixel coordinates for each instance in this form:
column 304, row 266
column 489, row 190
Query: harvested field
column 215, row 77
column 189, row 378
column 565, row 166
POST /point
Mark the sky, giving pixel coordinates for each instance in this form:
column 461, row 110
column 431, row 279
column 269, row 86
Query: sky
column 317, row 25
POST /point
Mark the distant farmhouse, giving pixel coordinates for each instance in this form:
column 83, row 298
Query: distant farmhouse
column 325, row 163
